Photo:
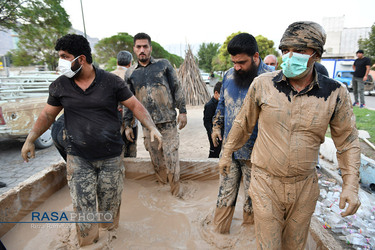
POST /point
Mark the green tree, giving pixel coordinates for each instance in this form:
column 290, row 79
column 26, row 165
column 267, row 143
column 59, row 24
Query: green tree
column 368, row 44
column 20, row 58
column 159, row 52
column 46, row 21
column 107, row 48
column 12, row 13
column 265, row 46
column 206, row 53
column 223, row 62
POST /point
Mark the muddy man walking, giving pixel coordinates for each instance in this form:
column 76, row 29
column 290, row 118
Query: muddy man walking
column 154, row 82
column 89, row 97
column 294, row 107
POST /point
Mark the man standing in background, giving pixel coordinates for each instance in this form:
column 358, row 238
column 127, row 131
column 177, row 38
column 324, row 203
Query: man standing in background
column 155, row 84
column 208, row 114
column 361, row 68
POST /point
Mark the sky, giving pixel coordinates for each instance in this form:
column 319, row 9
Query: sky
column 176, row 23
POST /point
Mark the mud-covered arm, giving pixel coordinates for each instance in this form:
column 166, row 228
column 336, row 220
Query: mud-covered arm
column 44, row 121
column 345, row 136
column 177, row 91
column 218, row 119
column 144, row 117
column 128, row 118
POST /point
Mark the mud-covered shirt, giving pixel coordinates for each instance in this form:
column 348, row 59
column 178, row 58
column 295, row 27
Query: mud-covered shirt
column 157, row 87
column 292, row 125
column 92, row 126
column 230, row 103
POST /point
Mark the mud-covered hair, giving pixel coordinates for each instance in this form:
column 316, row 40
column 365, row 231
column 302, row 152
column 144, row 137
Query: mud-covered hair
column 304, row 34
column 76, row 45
column 243, row 43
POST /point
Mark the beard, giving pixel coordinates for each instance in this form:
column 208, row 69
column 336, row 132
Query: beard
column 243, row 78
column 75, row 67
column 144, row 58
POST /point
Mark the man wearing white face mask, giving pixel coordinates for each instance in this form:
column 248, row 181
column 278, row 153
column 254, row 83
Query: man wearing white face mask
column 89, row 97
column 294, row 107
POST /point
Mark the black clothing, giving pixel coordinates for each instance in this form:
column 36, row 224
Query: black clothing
column 92, row 127
column 208, row 113
column 321, row 69
column 360, row 66
column 57, row 135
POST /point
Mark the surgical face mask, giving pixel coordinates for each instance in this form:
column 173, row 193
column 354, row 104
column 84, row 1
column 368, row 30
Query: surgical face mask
column 65, row 67
column 271, row 67
column 295, row 65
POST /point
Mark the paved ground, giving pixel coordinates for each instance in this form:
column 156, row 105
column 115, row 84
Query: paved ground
column 13, row 170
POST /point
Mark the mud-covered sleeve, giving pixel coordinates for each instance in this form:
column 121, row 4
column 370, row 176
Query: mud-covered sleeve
column 345, row 136
column 128, row 114
column 176, row 88
column 53, row 94
column 218, row 119
column 245, row 120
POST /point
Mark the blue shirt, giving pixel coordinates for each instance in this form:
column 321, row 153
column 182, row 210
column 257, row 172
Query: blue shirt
column 232, row 97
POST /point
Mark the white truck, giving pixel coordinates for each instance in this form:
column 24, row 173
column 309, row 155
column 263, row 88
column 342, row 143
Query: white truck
column 342, row 69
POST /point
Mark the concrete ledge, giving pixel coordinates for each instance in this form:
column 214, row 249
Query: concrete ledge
column 190, row 169
column 21, row 200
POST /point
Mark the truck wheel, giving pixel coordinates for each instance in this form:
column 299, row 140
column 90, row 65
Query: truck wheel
column 45, row 140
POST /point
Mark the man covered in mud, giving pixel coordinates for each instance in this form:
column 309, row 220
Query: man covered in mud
column 154, row 82
column 247, row 64
column 89, row 97
column 293, row 108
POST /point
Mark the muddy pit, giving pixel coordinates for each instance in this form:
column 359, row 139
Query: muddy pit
column 151, row 218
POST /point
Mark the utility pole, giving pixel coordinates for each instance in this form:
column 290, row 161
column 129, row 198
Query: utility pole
column 83, row 19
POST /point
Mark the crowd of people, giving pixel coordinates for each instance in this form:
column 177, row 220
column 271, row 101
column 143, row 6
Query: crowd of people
column 265, row 125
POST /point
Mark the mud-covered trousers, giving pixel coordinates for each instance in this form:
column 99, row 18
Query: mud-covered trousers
column 227, row 197
column 165, row 161
column 91, row 181
column 283, row 207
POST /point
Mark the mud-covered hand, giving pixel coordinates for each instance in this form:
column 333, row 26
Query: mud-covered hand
column 349, row 195
column 181, row 120
column 225, row 162
column 154, row 133
column 28, row 151
column 216, row 136
column 129, row 134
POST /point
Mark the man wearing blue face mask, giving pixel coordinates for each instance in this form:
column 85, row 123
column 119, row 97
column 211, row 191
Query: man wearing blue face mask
column 293, row 108
column 89, row 97
column 271, row 61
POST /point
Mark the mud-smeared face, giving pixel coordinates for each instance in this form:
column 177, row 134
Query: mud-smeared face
column 143, row 50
